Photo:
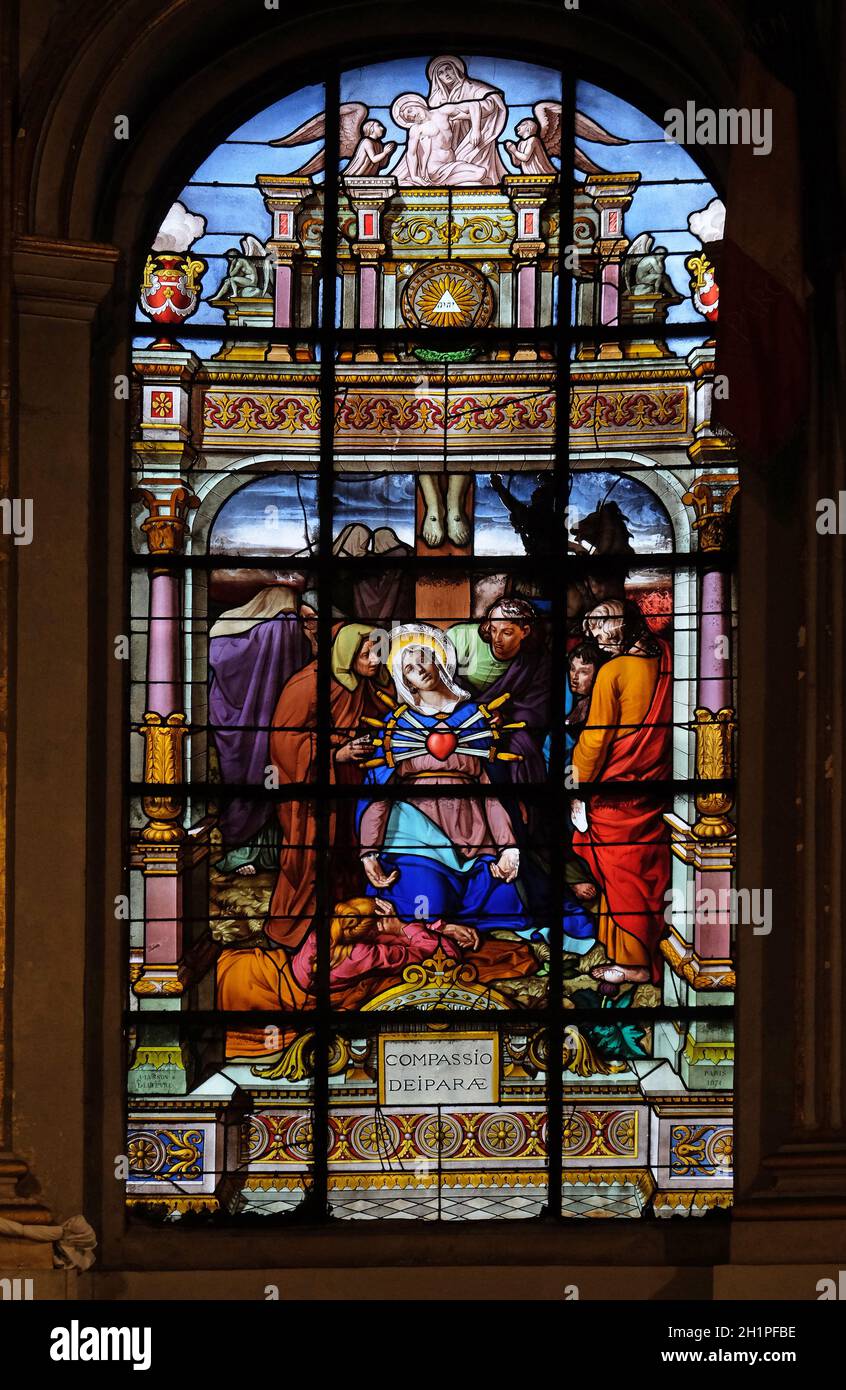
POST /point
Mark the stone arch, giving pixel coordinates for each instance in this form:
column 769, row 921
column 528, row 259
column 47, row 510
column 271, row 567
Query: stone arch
column 657, row 476
column 214, row 488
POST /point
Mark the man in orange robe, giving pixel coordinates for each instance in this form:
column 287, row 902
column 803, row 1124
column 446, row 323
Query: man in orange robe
column 622, row 836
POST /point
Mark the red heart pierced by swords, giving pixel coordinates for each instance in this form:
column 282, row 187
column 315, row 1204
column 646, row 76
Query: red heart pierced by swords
column 440, row 743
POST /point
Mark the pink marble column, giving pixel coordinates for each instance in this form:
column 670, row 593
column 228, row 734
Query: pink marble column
column 162, row 919
column 164, row 728
column 712, row 932
column 610, row 294
column 368, row 285
column 164, row 651
column 712, row 940
column 163, row 894
column 526, row 293
column 282, row 315
column 715, row 641
column 284, row 195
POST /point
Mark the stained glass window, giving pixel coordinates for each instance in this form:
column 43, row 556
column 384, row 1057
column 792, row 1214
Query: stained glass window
column 433, row 664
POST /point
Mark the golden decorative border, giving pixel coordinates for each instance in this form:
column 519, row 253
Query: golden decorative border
column 710, row 1198
column 180, row 1204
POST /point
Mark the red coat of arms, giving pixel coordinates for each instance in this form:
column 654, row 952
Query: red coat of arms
column 170, row 290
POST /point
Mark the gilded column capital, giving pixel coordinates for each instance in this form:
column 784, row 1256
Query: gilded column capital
column 713, row 497
column 166, row 525
column 368, row 250
column 529, row 190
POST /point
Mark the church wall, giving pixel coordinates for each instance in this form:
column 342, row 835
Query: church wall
column 66, row 1064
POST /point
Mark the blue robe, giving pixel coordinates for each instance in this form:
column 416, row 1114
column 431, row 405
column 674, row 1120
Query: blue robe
column 435, row 881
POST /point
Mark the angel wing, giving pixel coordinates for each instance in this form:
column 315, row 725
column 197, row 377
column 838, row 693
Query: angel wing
column 548, row 117
column 642, row 245
column 352, row 114
column 588, row 129
column 251, row 246
column 638, row 249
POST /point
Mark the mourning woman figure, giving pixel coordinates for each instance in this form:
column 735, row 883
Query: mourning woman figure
column 357, row 672
column 449, row 858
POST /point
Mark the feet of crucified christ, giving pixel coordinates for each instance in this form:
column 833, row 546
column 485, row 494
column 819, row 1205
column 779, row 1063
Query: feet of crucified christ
column 458, row 527
column 432, row 529
column 445, row 515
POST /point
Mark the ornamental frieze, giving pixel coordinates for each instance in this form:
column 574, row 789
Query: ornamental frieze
column 622, row 410
column 273, row 1139
column 479, row 231
column 423, row 418
column 260, row 413
column 282, row 1138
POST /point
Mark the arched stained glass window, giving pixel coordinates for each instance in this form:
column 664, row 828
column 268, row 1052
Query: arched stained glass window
column 432, row 699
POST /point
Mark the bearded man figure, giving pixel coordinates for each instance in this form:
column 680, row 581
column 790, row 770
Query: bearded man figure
column 621, row 836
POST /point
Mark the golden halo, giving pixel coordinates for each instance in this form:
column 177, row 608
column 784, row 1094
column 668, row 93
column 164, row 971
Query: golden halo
column 421, row 638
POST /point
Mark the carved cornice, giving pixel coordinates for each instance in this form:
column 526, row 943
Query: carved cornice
column 62, row 279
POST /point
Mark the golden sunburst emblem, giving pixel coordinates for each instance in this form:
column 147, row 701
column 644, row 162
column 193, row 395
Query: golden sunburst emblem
column 446, row 302
column 447, row 295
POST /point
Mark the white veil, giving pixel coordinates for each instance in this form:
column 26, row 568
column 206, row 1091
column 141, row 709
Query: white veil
column 444, row 656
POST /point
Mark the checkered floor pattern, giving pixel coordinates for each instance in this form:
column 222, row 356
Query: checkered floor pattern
column 596, row 1200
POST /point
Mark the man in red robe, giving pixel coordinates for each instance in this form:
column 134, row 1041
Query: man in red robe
column 622, row 836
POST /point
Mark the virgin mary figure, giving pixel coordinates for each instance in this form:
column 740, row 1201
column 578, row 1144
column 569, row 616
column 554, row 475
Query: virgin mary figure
column 438, row 857
column 474, row 142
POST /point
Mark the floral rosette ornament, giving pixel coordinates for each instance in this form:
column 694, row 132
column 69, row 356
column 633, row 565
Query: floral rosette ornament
column 171, row 287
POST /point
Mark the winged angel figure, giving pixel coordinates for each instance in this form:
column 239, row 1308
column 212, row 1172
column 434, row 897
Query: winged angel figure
column 249, row 272
column 645, row 271
column 539, row 138
column 360, row 141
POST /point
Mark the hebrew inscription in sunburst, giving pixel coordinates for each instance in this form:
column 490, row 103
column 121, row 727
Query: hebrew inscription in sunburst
column 447, row 294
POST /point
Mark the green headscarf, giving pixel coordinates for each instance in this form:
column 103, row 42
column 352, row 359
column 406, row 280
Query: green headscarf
column 345, row 649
